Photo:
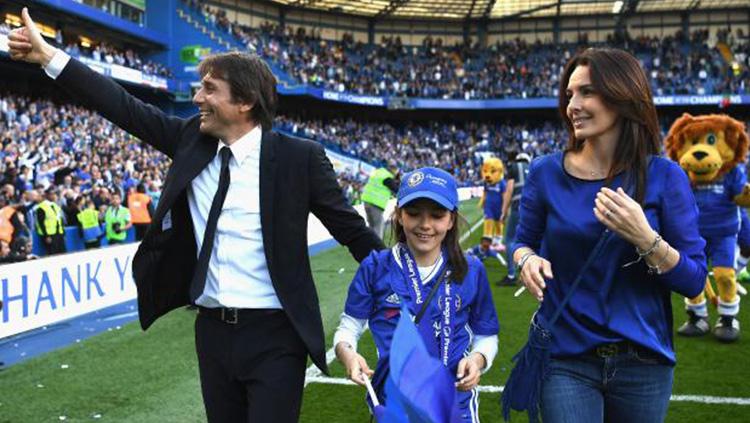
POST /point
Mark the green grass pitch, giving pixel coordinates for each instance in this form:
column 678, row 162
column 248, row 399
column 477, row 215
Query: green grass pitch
column 127, row 375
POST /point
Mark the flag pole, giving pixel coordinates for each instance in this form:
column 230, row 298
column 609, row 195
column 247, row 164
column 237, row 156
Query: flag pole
column 370, row 391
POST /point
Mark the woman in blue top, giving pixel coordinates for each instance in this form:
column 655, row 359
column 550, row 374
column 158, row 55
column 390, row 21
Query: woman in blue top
column 612, row 350
column 425, row 225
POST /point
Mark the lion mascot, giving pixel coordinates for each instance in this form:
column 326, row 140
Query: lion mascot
column 493, row 172
column 712, row 150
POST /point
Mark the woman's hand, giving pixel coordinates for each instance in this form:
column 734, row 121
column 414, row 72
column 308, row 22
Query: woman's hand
column 624, row 216
column 469, row 371
column 354, row 363
column 533, row 273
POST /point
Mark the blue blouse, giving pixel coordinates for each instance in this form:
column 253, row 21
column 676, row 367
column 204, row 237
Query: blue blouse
column 612, row 303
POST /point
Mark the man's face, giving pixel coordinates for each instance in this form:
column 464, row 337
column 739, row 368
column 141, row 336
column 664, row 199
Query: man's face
column 115, row 200
column 220, row 115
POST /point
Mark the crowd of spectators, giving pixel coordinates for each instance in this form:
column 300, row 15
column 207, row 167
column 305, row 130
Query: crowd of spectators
column 677, row 64
column 514, row 69
column 70, row 152
column 455, row 147
column 682, row 64
column 106, row 53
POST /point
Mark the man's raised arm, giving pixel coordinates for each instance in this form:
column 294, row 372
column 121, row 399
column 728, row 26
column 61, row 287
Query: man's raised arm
column 95, row 91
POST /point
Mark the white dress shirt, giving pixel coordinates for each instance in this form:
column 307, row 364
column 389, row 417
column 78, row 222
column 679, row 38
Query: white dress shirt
column 237, row 271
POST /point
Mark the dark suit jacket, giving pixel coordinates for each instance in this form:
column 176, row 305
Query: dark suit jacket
column 296, row 178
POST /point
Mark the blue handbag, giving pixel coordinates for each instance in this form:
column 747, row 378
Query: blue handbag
column 523, row 389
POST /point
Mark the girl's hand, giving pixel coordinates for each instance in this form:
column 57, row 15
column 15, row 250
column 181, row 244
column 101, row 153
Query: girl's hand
column 469, row 371
column 354, row 363
column 623, row 216
column 533, row 273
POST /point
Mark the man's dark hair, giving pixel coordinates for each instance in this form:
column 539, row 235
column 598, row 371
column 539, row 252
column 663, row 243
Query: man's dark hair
column 250, row 81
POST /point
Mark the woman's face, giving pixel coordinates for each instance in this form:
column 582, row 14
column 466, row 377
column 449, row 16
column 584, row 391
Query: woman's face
column 590, row 116
column 425, row 225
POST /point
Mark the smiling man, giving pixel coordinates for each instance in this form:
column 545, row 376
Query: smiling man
column 230, row 231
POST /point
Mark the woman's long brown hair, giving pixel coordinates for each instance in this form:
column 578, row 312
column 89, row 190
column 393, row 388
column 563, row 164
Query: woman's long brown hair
column 618, row 78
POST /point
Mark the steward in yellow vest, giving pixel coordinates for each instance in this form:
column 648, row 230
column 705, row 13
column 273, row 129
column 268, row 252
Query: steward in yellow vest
column 88, row 222
column 380, row 187
column 49, row 224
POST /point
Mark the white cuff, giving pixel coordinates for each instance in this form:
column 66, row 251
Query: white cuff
column 487, row 346
column 55, row 66
column 350, row 330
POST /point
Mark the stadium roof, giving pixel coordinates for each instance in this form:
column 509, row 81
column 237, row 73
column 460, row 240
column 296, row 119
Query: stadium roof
column 504, row 9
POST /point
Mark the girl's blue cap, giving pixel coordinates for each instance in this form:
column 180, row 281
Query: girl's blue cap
column 429, row 182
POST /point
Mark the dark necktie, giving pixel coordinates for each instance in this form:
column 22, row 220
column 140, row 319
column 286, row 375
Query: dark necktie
column 201, row 269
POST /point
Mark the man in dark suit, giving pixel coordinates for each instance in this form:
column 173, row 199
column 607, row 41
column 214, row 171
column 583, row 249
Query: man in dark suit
column 236, row 250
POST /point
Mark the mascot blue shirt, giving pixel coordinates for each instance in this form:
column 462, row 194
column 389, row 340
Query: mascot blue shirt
column 493, row 200
column 719, row 215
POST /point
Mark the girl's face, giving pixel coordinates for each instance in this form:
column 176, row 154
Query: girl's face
column 590, row 116
column 425, row 224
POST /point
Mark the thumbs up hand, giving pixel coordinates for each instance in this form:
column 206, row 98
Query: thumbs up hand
column 26, row 43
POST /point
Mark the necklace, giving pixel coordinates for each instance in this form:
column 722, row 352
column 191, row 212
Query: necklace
column 597, row 173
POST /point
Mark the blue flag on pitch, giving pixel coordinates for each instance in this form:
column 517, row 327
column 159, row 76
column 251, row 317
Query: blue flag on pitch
column 419, row 388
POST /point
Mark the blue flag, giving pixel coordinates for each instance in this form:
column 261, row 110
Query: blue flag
column 419, row 388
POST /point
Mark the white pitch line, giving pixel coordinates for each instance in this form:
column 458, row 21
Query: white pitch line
column 702, row 399
column 466, row 236
column 313, row 373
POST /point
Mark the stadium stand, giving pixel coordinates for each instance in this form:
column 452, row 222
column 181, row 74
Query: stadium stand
column 678, row 64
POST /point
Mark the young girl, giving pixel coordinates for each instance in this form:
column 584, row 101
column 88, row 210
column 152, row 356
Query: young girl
column 426, row 258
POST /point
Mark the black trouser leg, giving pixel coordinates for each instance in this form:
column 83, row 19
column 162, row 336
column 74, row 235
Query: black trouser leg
column 253, row 371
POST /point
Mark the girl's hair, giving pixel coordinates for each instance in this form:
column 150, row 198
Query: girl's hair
column 618, row 78
column 456, row 258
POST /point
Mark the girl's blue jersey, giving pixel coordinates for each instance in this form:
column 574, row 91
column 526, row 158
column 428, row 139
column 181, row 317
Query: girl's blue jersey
column 378, row 288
